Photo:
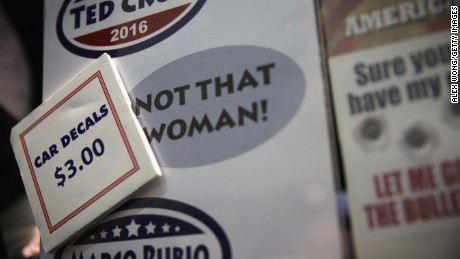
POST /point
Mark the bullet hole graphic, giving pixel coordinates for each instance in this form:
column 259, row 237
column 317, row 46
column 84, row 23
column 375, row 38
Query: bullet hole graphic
column 416, row 138
column 371, row 129
column 371, row 134
column 419, row 141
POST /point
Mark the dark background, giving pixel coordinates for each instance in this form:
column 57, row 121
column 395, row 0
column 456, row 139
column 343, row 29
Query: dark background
column 26, row 18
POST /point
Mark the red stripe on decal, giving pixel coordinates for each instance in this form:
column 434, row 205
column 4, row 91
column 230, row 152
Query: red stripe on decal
column 132, row 30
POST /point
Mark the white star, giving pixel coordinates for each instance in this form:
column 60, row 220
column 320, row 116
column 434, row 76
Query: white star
column 92, row 237
column 132, row 228
column 177, row 229
column 116, row 231
column 165, row 228
column 103, row 234
column 150, row 228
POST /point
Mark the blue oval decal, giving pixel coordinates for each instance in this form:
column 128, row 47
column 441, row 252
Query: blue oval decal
column 216, row 104
column 151, row 228
column 120, row 27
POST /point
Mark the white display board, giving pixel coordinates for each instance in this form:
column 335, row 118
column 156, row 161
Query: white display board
column 231, row 97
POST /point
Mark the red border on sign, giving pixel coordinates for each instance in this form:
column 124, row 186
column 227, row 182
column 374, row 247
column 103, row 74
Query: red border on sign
column 135, row 168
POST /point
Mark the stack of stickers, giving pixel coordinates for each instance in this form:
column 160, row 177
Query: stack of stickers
column 81, row 153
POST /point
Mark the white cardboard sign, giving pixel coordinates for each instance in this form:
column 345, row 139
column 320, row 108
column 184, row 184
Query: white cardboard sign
column 397, row 126
column 81, row 152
